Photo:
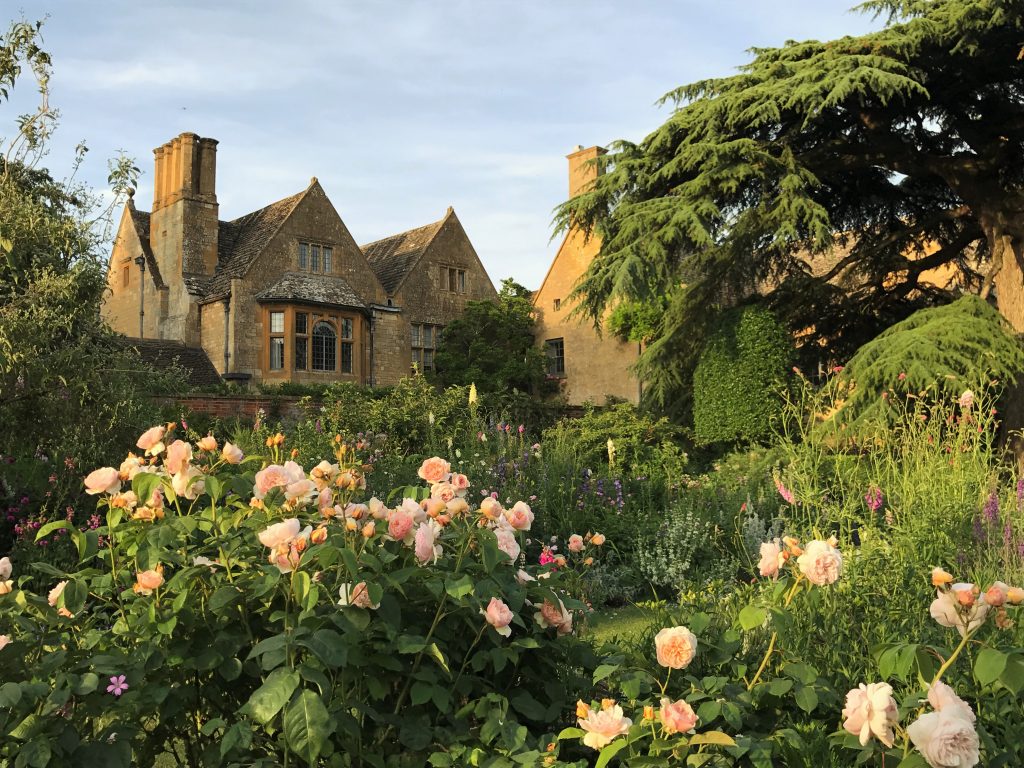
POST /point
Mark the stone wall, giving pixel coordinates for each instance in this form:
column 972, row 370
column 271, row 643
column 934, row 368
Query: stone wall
column 238, row 406
column 392, row 355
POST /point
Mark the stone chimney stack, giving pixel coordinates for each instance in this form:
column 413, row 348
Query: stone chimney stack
column 184, row 220
column 583, row 170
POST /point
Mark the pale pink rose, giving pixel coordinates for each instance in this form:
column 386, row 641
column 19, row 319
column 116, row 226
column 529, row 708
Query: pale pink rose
column 208, row 444
column 520, row 516
column 4, row 640
column 103, row 480
column 427, row 548
column 603, row 726
column 945, row 739
column 147, row 581
column 821, row 563
column 997, row 594
column 131, row 466
column 460, row 483
column 412, row 507
column 434, row 469
column 377, row 509
column 268, row 478
column 947, row 610
column 152, row 440
column 576, row 543
column 771, row 558
column 966, row 399
column 676, row 647
column 871, row 711
column 508, row 544
column 943, row 698
column 232, row 454
column 286, row 556
column 179, row 454
column 443, row 491
column 54, row 596
column 400, row 525
column 6, row 569
column 357, row 596
column 523, row 578
column 551, row 615
column 280, row 533
column 300, row 492
column 189, row 483
column 677, row 716
column 491, row 508
column 499, row 616
column 325, row 499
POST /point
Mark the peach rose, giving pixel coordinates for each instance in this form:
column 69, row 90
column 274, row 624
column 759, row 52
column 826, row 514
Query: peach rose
column 268, row 478
column 677, row 717
column 676, row 647
column 427, row 549
column 369, row 529
column 54, row 596
column 323, row 474
column 188, row 483
column 6, row 587
column 997, row 594
column 433, row 507
column 943, row 698
column 940, row 577
column 434, row 470
column 871, row 711
column 152, row 440
column 179, row 454
column 4, row 640
column 771, row 559
column 820, row 562
column 232, row 454
column 575, row 543
column 551, row 615
column 103, row 480
column 948, row 611
column 508, row 543
column 491, row 508
column 400, row 526
column 443, row 491
column 147, row 581
column 319, row 535
column 1015, row 595
column 603, row 726
column 460, row 483
column 130, row 467
column 208, row 444
column 945, row 739
column 357, row 596
column 598, row 539
column 520, row 516
column 499, row 616
column 457, row 507
column 280, row 533
column 377, row 509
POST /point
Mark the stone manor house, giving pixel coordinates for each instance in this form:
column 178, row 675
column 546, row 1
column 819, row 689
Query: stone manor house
column 283, row 293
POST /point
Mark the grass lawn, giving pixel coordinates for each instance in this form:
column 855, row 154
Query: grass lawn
column 628, row 623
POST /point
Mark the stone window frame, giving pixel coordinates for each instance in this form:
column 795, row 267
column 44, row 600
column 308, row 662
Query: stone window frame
column 324, row 257
column 275, row 335
column 325, row 353
column 453, row 278
column 554, row 350
column 423, row 352
column 126, row 277
column 301, row 340
column 349, row 363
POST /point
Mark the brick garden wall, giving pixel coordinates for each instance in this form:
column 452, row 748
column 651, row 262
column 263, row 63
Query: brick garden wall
column 238, row 406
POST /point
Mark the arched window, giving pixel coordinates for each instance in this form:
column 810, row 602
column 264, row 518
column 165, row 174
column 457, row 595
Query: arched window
column 324, row 347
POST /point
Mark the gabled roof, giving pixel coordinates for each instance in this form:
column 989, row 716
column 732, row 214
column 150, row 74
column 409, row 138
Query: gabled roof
column 393, row 258
column 312, row 289
column 140, row 220
column 240, row 242
column 162, row 352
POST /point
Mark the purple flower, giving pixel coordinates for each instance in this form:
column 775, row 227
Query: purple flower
column 117, row 685
column 1020, row 491
column 991, row 508
column 874, row 498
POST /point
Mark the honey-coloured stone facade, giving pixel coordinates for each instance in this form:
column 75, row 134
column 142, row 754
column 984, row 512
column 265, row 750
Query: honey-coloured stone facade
column 180, row 273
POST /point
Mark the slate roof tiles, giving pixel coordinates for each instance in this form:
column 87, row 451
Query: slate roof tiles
column 393, row 258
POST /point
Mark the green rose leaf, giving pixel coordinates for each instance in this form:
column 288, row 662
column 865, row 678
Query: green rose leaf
column 752, row 616
column 989, row 665
column 307, row 725
column 267, row 700
column 610, row 751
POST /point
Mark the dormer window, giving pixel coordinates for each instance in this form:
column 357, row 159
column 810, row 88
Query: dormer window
column 316, row 257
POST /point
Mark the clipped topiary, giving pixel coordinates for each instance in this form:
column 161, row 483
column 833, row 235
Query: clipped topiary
column 943, row 350
column 737, row 381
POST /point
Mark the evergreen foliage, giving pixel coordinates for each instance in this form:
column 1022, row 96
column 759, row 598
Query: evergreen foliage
column 737, row 382
column 945, row 350
column 492, row 345
column 827, row 178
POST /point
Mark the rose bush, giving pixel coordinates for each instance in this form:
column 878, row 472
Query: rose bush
column 244, row 611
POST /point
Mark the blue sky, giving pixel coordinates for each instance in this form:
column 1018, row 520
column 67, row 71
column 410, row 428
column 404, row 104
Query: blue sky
column 399, row 108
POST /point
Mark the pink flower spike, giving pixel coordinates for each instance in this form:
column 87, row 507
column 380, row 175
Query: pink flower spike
column 117, row 685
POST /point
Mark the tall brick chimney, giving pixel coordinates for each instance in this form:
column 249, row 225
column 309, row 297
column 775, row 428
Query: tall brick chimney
column 583, row 171
column 183, row 227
